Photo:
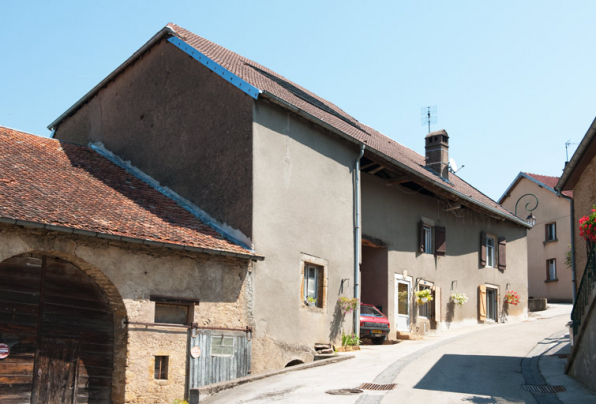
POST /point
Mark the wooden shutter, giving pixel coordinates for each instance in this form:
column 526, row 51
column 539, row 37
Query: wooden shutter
column 502, row 253
column 483, row 249
column 437, row 304
column 440, row 241
column 482, row 303
column 421, row 236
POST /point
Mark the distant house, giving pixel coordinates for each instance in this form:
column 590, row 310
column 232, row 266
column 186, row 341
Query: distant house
column 579, row 176
column 338, row 209
column 103, row 280
column 549, row 241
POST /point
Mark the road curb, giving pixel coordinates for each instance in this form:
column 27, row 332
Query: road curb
column 217, row 387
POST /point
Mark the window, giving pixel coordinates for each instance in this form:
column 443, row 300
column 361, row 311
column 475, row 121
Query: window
column 491, row 304
column 551, row 270
column 222, row 346
column 432, row 238
column 490, row 251
column 172, row 310
column 313, row 289
column 161, row 368
column 550, row 232
column 428, row 240
column 312, row 273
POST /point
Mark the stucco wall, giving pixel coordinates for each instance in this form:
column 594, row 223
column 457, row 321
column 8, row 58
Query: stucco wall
column 392, row 215
column 181, row 124
column 584, row 196
column 551, row 208
column 128, row 274
column 303, row 201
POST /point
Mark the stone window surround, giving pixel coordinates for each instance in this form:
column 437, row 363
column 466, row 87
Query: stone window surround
column 323, row 264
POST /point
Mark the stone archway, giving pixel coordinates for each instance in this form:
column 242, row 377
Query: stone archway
column 62, row 322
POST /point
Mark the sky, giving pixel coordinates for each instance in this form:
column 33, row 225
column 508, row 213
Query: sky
column 512, row 81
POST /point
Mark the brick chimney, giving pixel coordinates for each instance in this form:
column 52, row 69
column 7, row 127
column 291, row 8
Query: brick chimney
column 437, row 153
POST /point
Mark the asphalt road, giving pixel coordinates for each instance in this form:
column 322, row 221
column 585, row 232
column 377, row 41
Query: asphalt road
column 480, row 364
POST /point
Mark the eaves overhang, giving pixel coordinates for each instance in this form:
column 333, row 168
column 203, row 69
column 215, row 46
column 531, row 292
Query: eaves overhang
column 529, row 178
column 108, row 236
column 582, row 156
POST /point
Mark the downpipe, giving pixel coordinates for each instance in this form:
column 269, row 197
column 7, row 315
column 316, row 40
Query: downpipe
column 357, row 241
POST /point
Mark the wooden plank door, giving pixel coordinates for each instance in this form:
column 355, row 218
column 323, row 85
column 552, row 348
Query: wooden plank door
column 55, row 377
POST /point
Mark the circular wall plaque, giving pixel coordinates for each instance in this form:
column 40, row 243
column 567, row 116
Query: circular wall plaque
column 4, row 351
column 195, row 351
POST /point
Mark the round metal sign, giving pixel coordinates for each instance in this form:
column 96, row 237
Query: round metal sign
column 4, row 351
column 195, row 352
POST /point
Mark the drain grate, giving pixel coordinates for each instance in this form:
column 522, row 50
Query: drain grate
column 373, row 386
column 344, row 392
column 543, row 389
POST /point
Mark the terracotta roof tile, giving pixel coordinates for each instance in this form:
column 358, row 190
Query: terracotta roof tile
column 549, row 182
column 273, row 83
column 57, row 183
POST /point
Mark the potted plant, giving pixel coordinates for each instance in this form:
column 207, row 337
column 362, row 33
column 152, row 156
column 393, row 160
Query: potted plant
column 310, row 301
column 587, row 227
column 459, row 298
column 512, row 298
column 347, row 304
column 423, row 296
column 349, row 342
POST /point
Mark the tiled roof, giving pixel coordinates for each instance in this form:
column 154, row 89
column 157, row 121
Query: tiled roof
column 299, row 97
column 62, row 184
column 549, row 182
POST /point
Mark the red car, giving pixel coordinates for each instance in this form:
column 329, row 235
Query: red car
column 373, row 324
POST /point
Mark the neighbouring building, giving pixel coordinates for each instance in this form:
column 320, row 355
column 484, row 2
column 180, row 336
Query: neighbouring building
column 332, row 204
column 549, row 241
column 579, row 176
column 106, row 283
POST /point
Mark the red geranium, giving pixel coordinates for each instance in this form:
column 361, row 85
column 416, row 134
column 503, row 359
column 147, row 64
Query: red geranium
column 587, row 226
column 512, row 297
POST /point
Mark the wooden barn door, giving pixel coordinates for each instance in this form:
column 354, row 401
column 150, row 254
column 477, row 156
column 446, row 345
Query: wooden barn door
column 59, row 327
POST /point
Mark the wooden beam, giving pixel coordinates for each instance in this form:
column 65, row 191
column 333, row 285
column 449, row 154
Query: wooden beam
column 376, row 170
column 369, row 165
column 399, row 180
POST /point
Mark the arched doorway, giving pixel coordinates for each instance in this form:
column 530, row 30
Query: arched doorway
column 60, row 331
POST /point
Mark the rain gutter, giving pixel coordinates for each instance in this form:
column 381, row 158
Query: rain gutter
column 107, row 236
column 357, row 240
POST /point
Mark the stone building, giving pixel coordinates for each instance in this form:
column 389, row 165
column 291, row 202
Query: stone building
column 107, row 283
column 549, row 241
column 579, row 176
column 334, row 205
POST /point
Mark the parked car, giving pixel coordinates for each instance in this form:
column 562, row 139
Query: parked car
column 373, row 324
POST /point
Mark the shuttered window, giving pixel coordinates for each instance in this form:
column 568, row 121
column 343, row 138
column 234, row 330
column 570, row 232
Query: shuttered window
column 502, row 253
column 483, row 249
column 440, row 241
column 429, row 243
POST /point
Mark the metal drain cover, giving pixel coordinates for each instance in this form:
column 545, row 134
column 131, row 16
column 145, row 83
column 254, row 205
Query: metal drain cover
column 373, row 386
column 543, row 389
column 344, row 392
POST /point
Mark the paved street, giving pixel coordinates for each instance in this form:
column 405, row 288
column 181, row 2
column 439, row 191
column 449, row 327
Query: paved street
column 480, row 364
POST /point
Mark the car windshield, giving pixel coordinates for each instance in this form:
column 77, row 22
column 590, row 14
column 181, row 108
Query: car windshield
column 370, row 311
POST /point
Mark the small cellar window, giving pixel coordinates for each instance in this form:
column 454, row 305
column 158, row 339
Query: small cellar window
column 161, row 367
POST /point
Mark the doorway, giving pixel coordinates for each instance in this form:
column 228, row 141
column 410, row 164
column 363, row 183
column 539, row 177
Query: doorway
column 491, row 304
column 402, row 299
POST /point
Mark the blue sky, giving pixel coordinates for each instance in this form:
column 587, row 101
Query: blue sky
column 512, row 81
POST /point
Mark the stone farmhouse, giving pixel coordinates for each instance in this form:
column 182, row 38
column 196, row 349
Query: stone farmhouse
column 336, row 208
column 579, row 176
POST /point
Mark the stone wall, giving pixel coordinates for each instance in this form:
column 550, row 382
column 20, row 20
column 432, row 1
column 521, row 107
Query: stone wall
column 129, row 274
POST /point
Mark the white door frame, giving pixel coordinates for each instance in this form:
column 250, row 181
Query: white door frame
column 408, row 281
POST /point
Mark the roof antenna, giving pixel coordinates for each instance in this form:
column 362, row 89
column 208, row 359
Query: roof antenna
column 567, row 144
column 428, row 115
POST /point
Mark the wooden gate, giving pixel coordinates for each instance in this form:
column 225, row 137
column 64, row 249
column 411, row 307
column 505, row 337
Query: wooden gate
column 59, row 327
column 225, row 355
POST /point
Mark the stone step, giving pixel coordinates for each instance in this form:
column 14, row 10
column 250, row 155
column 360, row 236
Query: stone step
column 408, row 335
column 322, row 346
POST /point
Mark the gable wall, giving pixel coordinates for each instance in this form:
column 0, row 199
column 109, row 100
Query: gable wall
column 179, row 123
column 392, row 216
column 551, row 208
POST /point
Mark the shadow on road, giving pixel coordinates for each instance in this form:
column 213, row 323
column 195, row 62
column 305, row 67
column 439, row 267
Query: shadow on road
column 461, row 374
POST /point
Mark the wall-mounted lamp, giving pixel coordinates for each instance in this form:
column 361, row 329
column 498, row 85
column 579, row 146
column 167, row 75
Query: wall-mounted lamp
column 531, row 220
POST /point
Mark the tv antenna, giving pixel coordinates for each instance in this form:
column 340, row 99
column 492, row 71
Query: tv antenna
column 428, row 115
column 567, row 144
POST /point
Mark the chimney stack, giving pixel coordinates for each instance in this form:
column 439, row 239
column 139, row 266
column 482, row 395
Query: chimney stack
column 437, row 153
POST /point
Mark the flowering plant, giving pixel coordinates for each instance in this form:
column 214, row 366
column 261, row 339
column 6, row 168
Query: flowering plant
column 423, row 296
column 512, row 297
column 349, row 340
column 587, row 226
column 347, row 304
column 459, row 298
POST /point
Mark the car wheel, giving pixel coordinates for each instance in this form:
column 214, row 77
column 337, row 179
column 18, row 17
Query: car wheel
column 378, row 341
